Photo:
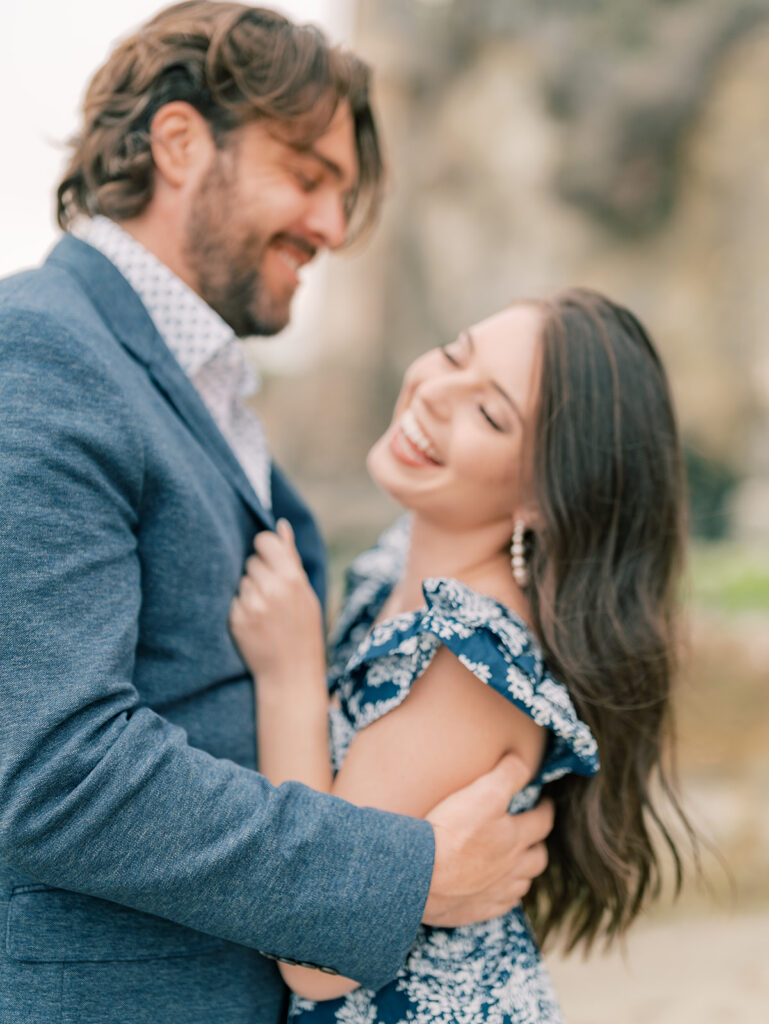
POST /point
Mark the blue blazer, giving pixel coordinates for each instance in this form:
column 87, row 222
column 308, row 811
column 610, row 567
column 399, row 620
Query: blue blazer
column 145, row 866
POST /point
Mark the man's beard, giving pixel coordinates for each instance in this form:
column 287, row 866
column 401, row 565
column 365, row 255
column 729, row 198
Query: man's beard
column 225, row 259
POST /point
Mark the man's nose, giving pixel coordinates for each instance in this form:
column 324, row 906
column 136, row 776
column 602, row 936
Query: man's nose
column 327, row 219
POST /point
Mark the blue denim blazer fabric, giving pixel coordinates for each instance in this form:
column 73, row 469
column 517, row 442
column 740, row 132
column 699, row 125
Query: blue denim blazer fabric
column 143, row 860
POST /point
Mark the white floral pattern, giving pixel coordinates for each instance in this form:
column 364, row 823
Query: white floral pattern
column 491, row 972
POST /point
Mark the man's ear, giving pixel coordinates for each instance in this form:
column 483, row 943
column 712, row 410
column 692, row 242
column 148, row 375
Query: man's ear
column 182, row 143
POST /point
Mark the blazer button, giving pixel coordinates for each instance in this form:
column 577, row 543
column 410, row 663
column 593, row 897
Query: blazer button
column 287, row 960
column 328, row 970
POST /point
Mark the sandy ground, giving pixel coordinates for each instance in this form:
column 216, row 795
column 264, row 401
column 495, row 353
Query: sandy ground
column 696, row 970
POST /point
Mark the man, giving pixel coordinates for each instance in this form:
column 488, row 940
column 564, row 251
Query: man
column 144, row 863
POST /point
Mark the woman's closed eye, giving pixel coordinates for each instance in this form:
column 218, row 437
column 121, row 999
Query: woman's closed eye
column 497, row 426
column 453, row 358
column 450, row 355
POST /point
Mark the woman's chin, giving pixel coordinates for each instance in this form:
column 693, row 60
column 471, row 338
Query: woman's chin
column 376, row 461
column 384, row 472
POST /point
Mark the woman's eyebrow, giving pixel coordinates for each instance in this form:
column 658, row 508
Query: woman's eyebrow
column 466, row 335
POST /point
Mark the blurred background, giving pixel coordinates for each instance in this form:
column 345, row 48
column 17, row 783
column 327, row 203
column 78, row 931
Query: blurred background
column 622, row 145
column 535, row 144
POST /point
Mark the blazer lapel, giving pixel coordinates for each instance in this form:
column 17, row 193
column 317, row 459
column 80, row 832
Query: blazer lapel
column 125, row 315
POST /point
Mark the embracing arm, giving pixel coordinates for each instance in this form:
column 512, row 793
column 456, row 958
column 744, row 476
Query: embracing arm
column 100, row 794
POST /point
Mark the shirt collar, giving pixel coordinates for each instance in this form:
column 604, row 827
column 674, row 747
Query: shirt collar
column 187, row 324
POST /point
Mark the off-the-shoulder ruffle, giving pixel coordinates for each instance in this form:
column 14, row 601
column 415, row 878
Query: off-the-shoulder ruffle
column 493, row 643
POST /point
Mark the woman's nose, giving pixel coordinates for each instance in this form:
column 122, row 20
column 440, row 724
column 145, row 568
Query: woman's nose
column 440, row 393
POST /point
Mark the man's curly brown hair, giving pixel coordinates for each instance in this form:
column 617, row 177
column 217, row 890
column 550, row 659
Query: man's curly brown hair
column 234, row 64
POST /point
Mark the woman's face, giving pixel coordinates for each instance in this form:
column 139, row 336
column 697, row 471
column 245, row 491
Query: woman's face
column 455, row 449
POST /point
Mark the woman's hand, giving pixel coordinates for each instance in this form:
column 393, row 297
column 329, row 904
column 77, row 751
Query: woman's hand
column 276, row 618
column 277, row 623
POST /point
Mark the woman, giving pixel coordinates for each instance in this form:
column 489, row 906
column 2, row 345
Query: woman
column 550, row 423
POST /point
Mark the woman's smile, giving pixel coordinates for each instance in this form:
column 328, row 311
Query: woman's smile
column 454, row 451
column 411, row 445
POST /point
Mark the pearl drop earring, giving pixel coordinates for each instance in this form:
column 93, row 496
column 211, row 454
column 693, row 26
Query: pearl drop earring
column 518, row 555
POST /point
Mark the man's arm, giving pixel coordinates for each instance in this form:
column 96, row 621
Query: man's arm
column 101, row 795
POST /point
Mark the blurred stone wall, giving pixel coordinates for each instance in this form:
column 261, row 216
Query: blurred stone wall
column 534, row 144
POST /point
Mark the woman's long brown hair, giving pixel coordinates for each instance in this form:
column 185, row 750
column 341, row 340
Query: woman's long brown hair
column 605, row 557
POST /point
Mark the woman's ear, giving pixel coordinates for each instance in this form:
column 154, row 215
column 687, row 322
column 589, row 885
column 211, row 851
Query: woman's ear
column 182, row 143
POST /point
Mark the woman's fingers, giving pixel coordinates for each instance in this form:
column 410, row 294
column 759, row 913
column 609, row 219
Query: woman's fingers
column 250, row 595
column 259, row 576
column 276, row 570
column 286, row 532
column 278, row 549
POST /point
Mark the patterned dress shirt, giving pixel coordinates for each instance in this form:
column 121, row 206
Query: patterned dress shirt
column 205, row 347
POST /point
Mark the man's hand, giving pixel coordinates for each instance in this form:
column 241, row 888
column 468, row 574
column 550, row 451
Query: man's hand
column 485, row 858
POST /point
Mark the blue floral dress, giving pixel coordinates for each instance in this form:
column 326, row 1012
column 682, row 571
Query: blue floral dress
column 489, row 972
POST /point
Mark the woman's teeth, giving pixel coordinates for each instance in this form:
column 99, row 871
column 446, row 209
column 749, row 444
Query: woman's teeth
column 411, row 430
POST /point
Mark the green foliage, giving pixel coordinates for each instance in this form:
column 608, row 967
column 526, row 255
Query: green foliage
column 730, row 577
column 711, row 483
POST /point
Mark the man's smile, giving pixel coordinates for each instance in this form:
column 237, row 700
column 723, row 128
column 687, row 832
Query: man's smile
column 294, row 251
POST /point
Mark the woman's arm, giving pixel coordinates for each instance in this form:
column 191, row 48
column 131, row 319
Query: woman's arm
column 450, row 729
column 277, row 623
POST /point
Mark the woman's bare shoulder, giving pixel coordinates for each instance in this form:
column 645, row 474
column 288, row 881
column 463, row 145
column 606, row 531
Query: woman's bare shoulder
column 451, row 728
column 500, row 586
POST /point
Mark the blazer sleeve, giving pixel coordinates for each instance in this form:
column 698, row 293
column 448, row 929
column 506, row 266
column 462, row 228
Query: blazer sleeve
column 103, row 796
